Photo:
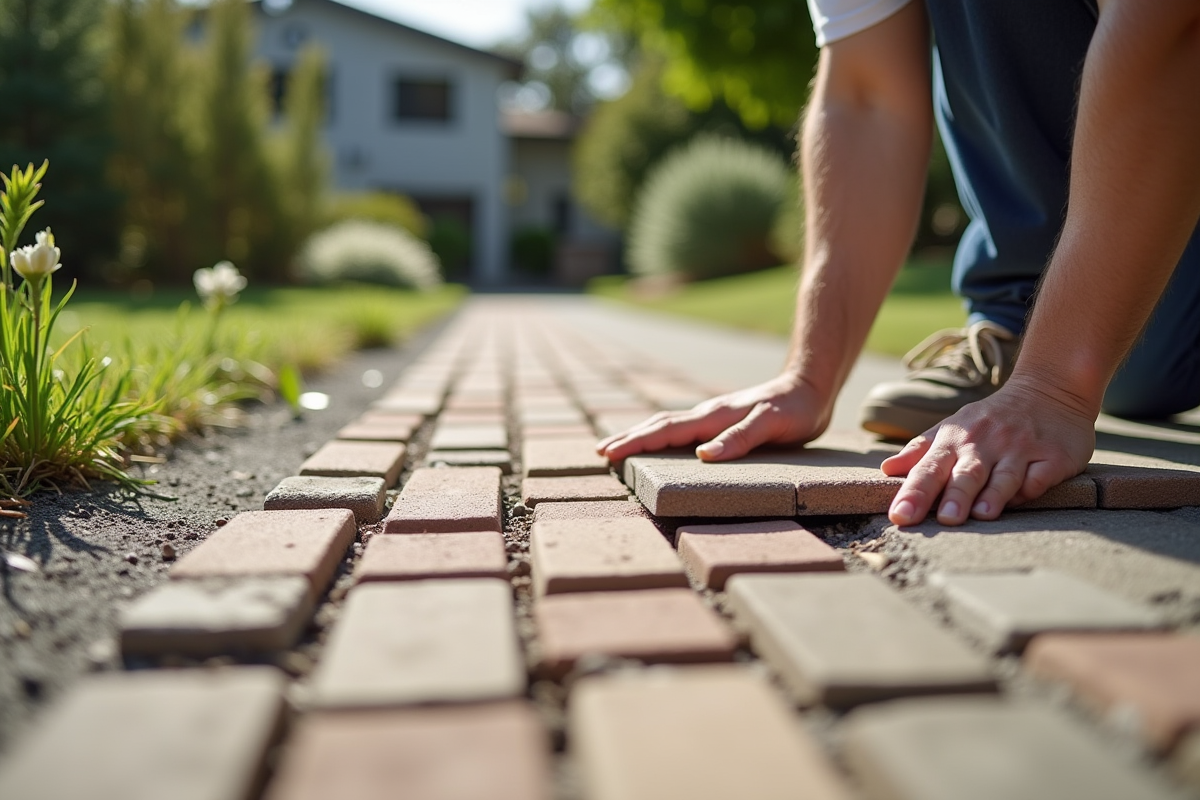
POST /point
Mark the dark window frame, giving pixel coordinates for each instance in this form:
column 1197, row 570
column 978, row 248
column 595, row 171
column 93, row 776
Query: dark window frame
column 441, row 111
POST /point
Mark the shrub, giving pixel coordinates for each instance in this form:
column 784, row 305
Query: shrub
column 370, row 252
column 450, row 240
column 710, row 209
column 533, row 250
column 384, row 207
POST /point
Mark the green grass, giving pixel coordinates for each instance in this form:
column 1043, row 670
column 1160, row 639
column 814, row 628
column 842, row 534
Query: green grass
column 919, row 304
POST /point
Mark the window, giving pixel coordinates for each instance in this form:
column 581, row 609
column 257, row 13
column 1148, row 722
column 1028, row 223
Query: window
column 421, row 99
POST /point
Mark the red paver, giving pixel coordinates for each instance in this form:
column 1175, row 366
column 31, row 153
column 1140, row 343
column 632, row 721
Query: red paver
column 557, row 432
column 459, row 436
column 602, row 555
column 535, row 491
column 378, row 431
column 1157, row 675
column 600, row 509
column 495, row 751
column 473, row 554
column 652, row 625
column 341, row 459
column 714, row 553
column 308, row 543
column 448, row 499
column 546, row 458
column 1128, row 481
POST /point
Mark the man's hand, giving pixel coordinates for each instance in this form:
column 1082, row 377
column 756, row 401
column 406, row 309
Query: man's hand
column 1005, row 450
column 784, row 410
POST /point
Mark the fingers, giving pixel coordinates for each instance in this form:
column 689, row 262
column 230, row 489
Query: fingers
column 740, row 438
column 668, row 430
column 1005, row 482
column 906, row 459
column 925, row 481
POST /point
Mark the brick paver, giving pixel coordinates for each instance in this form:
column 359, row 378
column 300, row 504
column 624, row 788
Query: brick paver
column 1152, row 678
column 550, row 416
column 714, row 553
column 469, row 437
column 651, row 625
column 447, row 499
column 472, row 418
column 363, row 496
column 1125, row 480
column 400, row 430
column 496, row 751
column 421, row 642
column 546, row 458
column 384, row 419
column 474, row 554
column 306, row 543
column 471, row 458
column 846, row 639
column 414, row 402
column 183, row 734
column 701, row 733
column 1006, row 610
column 602, row 555
column 216, row 616
column 535, row 491
column 984, row 749
column 557, row 432
column 600, row 509
column 344, row 459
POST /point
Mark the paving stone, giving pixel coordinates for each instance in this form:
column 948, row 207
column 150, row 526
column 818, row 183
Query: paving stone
column 378, row 431
column 305, row 543
column 364, row 496
column 477, row 402
column 217, row 616
column 422, row 642
column 469, row 437
column 1006, row 610
column 714, row 553
column 339, row 459
column 389, row 418
column 471, row 418
column 651, row 625
column 424, row 403
column 535, row 491
column 984, row 749
column 599, row 509
column 1127, row 480
column 472, row 458
column 1150, row 680
column 556, row 458
column 1077, row 492
column 447, row 499
column 179, row 734
column 597, row 555
column 493, row 751
column 610, row 423
column 701, row 733
column 847, row 639
column 557, row 432
column 542, row 416
column 474, row 554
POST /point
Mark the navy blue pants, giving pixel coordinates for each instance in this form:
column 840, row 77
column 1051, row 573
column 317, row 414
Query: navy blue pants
column 1006, row 81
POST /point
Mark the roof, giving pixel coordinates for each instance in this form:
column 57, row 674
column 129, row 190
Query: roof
column 540, row 125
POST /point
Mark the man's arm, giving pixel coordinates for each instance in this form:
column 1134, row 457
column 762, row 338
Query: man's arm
column 1134, row 202
column 865, row 148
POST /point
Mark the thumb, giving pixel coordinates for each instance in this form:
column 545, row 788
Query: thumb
column 906, row 459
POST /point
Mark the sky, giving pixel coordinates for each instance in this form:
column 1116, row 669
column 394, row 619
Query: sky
column 479, row 23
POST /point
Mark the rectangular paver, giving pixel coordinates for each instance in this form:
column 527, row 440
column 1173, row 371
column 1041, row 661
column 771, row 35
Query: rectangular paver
column 546, row 458
column 217, row 616
column 421, row 642
column 714, row 553
column 551, row 416
column 473, row 554
column 601, row 555
column 557, row 432
column 1126, row 480
column 493, row 751
column 380, row 431
column 985, row 749
column 364, row 496
column 471, row 458
column 701, row 733
column 843, row 639
column 447, row 499
column 345, row 459
column 599, row 509
column 410, row 402
column 535, row 491
column 180, row 734
column 305, row 543
column 1006, row 610
column 469, row 437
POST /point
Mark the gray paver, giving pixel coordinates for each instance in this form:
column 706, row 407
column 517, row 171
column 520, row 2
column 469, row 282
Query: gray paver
column 714, row 553
column 1006, row 610
column 601, row 555
column 546, row 458
column 984, row 749
column 680, row 485
column 471, row 458
column 598, row 509
column 346, row 459
column 414, row 556
column 469, row 437
column 421, row 642
column 842, row 639
column 217, row 616
column 364, row 496
column 184, row 735
column 447, row 499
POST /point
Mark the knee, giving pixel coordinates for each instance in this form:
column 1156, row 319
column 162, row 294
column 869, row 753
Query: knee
column 1148, row 394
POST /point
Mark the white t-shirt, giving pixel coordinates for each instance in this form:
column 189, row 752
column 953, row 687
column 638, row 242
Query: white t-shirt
column 837, row 19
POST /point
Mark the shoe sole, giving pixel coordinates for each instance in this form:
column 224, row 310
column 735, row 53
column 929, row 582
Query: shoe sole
column 897, row 423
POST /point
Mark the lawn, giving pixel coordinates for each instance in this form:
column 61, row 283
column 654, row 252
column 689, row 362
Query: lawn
column 919, row 304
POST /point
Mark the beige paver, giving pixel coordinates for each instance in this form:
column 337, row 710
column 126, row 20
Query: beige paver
column 651, row 625
column 701, row 733
column 410, row 402
column 180, row 734
column 599, row 509
column 469, row 437
column 389, row 418
column 546, row 458
column 493, row 751
column 305, row 543
column 447, row 499
column 557, row 432
column 535, row 491
column 400, row 430
column 364, row 496
column 843, row 639
column 602, row 555
column 345, row 459
column 216, row 616
column 473, row 554
column 551, row 416
column 1127, row 480
column 984, row 749
column 1152, row 678
column 714, row 553
column 454, row 417
column 421, row 642
column 471, row 458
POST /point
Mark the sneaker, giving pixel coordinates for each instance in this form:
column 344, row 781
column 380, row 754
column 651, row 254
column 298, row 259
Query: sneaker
column 950, row 369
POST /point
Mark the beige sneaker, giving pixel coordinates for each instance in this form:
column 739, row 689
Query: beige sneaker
column 949, row 369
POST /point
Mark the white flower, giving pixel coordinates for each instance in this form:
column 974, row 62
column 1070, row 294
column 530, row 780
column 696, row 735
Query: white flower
column 219, row 285
column 35, row 262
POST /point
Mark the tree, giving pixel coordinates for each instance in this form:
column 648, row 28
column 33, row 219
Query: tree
column 304, row 169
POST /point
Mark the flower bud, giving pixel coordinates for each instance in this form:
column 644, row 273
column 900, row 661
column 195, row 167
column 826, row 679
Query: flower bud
column 219, row 285
column 35, row 262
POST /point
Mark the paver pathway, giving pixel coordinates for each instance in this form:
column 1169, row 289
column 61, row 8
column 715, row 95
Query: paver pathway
column 514, row 618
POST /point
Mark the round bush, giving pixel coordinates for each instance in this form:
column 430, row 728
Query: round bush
column 384, row 207
column 710, row 209
column 370, row 252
